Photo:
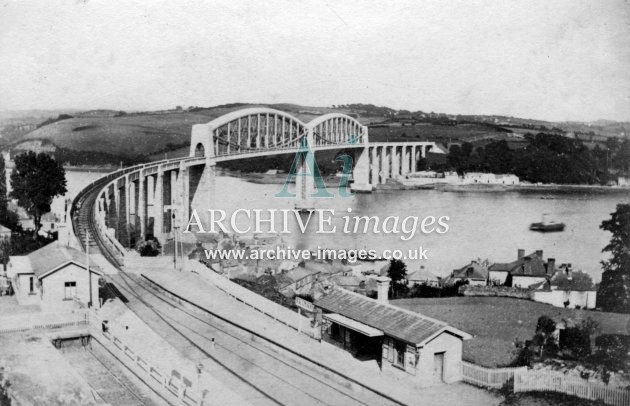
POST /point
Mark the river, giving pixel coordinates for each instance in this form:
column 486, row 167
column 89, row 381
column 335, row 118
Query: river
column 482, row 225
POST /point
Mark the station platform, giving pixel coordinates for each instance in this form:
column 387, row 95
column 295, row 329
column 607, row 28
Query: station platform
column 196, row 289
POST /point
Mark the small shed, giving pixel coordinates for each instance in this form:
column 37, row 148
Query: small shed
column 403, row 342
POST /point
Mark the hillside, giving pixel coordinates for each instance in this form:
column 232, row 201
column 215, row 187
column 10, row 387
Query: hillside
column 134, row 135
column 496, row 323
column 106, row 135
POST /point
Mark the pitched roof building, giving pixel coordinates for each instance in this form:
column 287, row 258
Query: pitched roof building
column 402, row 341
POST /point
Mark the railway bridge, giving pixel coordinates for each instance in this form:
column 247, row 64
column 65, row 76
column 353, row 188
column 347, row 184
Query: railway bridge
column 152, row 199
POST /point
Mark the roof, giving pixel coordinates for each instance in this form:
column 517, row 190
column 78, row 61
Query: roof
column 422, row 275
column 299, row 273
column 346, row 280
column 51, row 257
column 474, row 270
column 499, row 267
column 354, row 325
column 394, row 321
column 529, row 265
column 4, row 230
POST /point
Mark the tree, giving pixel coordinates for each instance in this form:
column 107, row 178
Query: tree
column 3, row 191
column 5, row 251
column 545, row 327
column 396, row 272
column 36, row 180
column 614, row 290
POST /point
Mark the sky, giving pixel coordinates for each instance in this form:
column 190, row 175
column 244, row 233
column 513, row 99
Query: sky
column 558, row 60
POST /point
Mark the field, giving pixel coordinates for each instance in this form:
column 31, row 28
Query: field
column 136, row 134
column 427, row 131
column 495, row 323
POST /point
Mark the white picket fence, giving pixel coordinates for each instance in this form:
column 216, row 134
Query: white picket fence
column 553, row 381
column 488, row 377
column 164, row 383
column 42, row 321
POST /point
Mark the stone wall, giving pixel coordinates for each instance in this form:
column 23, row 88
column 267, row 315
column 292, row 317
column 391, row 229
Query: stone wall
column 499, row 291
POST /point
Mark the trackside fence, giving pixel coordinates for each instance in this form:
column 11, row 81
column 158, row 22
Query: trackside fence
column 554, row 381
column 488, row 377
column 42, row 321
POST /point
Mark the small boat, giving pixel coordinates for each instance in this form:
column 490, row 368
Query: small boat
column 547, row 226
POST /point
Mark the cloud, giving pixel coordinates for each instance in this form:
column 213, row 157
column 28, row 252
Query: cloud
column 559, row 60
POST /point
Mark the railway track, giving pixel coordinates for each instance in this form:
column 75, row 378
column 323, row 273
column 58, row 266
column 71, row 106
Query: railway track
column 271, row 377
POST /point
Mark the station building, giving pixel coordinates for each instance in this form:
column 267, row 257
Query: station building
column 404, row 343
column 55, row 278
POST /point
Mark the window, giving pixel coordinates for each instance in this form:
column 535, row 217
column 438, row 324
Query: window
column 399, row 353
column 31, row 284
column 70, row 290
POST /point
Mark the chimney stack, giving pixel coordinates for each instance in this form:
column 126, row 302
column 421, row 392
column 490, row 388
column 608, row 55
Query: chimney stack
column 382, row 289
column 520, row 254
column 539, row 253
column 551, row 265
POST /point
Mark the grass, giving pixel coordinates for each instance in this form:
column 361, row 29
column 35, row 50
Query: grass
column 432, row 132
column 547, row 399
column 496, row 323
column 132, row 135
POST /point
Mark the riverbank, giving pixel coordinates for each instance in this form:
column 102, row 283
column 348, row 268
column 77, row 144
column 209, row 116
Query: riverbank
column 533, row 188
column 89, row 168
column 281, row 178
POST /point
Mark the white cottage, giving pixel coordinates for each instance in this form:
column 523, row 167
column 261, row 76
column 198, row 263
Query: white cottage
column 54, row 277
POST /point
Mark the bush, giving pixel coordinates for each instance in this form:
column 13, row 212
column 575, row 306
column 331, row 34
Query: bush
column 149, row 248
column 612, row 350
column 577, row 340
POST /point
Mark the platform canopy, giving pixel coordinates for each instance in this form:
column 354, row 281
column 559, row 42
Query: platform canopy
column 353, row 325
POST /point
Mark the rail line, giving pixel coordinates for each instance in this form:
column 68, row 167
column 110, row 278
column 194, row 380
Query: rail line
column 120, row 382
column 83, row 223
column 241, row 340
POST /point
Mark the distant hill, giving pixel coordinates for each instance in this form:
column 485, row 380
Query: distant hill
column 140, row 136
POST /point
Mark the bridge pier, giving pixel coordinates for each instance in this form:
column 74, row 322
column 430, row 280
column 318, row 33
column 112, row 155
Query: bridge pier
column 142, row 206
column 202, row 184
column 362, row 170
column 158, row 206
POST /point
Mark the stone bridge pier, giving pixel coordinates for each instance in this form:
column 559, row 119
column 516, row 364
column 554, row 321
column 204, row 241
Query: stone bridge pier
column 380, row 161
column 155, row 201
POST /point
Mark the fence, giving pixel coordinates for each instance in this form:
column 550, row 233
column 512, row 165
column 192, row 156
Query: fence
column 262, row 304
column 173, row 386
column 488, row 377
column 553, row 381
column 40, row 321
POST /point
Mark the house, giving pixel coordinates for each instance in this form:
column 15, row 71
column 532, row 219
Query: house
column 406, row 344
column 54, row 277
column 567, row 288
column 526, row 271
column 296, row 280
column 5, row 233
column 422, row 277
column 475, row 273
column 490, row 178
column 529, row 270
